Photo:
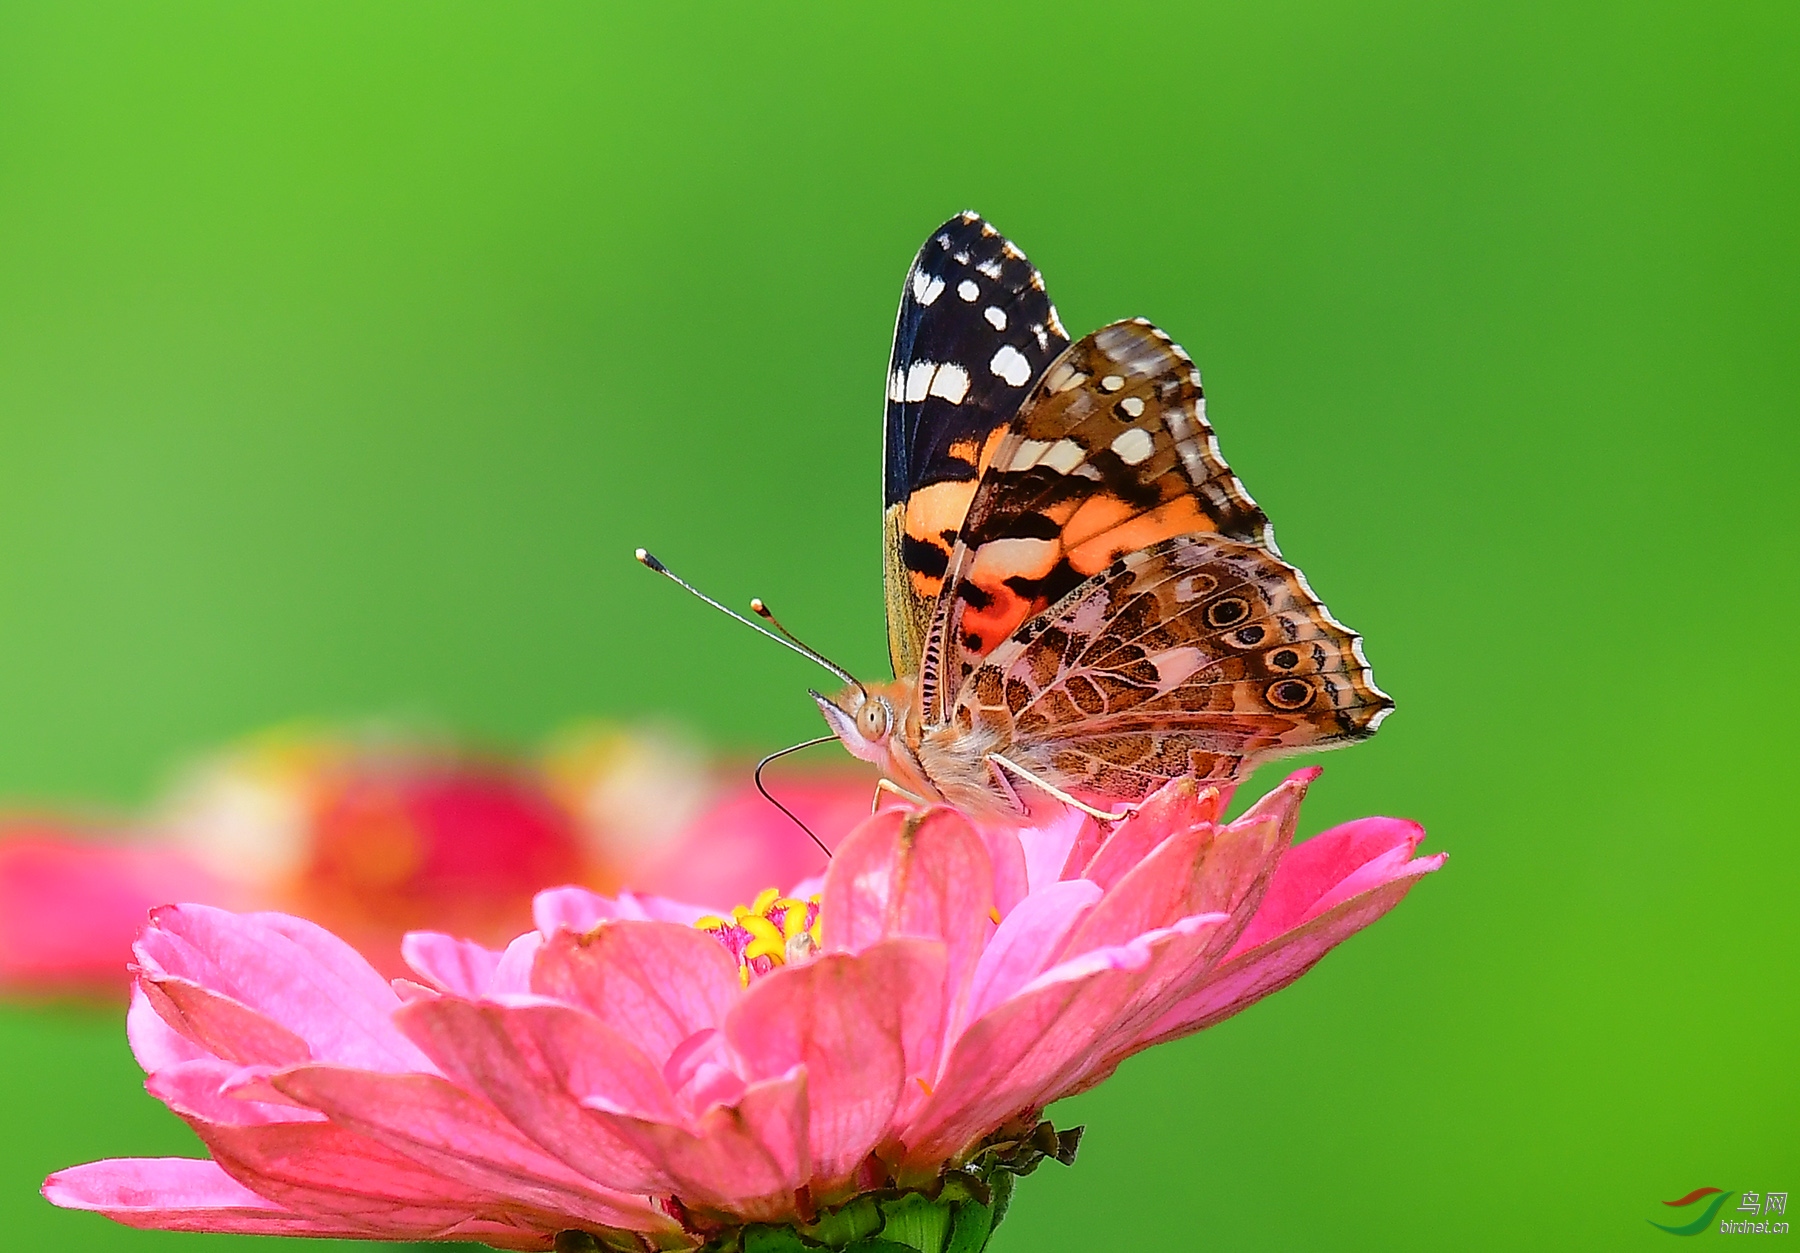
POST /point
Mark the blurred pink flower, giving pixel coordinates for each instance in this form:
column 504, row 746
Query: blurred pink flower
column 655, row 1078
column 70, row 904
column 740, row 843
column 374, row 836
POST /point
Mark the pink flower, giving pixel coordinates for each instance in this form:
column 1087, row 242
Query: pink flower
column 372, row 837
column 70, row 904
column 740, row 843
column 656, row 1078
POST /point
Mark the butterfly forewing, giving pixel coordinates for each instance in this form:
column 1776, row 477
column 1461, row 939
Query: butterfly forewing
column 1111, row 453
column 1190, row 656
column 975, row 330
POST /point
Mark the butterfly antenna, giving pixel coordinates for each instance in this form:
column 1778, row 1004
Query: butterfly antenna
column 783, row 752
column 784, row 639
column 761, row 609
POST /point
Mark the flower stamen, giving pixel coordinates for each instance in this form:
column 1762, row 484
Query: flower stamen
column 772, row 930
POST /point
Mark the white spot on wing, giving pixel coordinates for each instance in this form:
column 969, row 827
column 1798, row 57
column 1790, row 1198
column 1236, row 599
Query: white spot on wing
column 1175, row 666
column 996, row 317
column 918, row 380
column 1111, row 383
column 925, row 287
column 1134, row 446
column 968, row 291
column 950, row 382
column 1133, row 406
column 1010, row 364
column 1063, row 456
column 990, row 267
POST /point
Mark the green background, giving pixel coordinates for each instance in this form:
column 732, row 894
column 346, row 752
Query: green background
column 346, row 351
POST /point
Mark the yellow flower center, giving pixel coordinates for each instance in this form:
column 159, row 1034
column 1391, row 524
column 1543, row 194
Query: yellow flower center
column 773, row 930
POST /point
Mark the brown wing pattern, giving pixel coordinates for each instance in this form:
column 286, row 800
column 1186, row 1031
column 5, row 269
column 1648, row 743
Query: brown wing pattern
column 1110, row 454
column 1196, row 655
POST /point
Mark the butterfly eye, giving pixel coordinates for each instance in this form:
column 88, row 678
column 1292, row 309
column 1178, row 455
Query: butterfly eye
column 872, row 719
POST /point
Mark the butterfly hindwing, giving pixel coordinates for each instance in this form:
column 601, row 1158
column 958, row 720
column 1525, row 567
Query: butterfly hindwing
column 975, row 330
column 1193, row 655
column 1110, row 454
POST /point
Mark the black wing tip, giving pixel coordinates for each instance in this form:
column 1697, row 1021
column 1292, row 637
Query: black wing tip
column 960, row 228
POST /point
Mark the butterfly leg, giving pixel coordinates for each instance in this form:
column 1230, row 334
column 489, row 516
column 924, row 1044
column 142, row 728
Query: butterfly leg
column 1004, row 782
column 1058, row 793
column 888, row 785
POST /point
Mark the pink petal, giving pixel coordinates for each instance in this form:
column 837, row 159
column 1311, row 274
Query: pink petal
column 1006, row 853
column 913, row 874
column 863, row 1026
column 655, row 982
column 1179, row 805
column 859, row 887
column 747, row 1160
column 1313, row 874
column 512, row 977
column 154, row 1042
column 1251, row 974
column 409, row 991
column 206, row 1089
column 326, row 1172
column 459, row 967
column 1019, row 1056
column 536, row 1063
column 342, row 968
column 579, row 910
column 1026, row 943
column 568, row 909
column 296, row 976
column 222, row 1026
column 180, row 1194
column 449, row 1133
column 1047, row 847
column 1200, row 869
column 700, row 1073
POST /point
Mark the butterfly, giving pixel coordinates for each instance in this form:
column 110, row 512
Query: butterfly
column 1083, row 602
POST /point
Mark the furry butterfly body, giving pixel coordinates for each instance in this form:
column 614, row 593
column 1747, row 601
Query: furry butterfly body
column 1083, row 601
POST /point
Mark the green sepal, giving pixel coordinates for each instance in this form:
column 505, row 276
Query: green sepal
column 918, row 1222
column 852, row 1221
column 762, row 1238
column 875, row 1244
column 970, row 1227
column 957, row 1213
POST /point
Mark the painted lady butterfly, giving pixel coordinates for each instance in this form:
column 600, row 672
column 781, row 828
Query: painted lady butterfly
column 1082, row 599
column 1083, row 602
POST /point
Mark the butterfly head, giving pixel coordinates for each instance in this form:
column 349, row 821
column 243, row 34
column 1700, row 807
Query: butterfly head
column 866, row 717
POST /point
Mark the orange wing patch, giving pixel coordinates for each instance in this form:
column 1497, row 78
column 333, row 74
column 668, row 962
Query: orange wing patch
column 1110, row 455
